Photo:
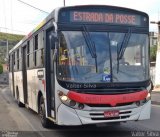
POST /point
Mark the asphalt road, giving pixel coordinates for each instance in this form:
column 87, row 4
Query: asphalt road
column 24, row 122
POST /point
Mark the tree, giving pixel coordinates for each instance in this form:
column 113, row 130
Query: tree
column 153, row 51
column 1, row 69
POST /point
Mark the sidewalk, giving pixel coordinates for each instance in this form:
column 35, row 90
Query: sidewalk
column 155, row 96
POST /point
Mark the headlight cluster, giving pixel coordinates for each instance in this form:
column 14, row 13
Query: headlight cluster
column 148, row 96
column 149, row 88
column 67, row 101
column 140, row 103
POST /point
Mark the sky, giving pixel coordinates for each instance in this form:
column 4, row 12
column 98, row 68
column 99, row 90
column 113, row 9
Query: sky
column 21, row 19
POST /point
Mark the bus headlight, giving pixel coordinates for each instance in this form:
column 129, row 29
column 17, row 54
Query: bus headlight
column 64, row 98
column 67, row 101
column 148, row 96
column 146, row 99
column 150, row 87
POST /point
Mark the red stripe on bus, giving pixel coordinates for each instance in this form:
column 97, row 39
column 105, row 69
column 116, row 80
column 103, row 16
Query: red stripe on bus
column 113, row 100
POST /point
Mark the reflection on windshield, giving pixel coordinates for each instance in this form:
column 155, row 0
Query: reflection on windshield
column 77, row 64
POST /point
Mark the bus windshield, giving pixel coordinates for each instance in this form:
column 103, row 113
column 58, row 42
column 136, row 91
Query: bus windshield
column 77, row 64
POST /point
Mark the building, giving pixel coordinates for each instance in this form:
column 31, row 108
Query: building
column 5, row 67
column 153, row 36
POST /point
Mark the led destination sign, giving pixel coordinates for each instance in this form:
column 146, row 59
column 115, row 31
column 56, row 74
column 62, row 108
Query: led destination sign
column 105, row 17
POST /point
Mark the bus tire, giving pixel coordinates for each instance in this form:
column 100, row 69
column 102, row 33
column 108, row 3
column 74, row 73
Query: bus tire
column 20, row 104
column 46, row 123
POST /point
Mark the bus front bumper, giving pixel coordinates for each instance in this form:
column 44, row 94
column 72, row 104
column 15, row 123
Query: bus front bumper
column 70, row 116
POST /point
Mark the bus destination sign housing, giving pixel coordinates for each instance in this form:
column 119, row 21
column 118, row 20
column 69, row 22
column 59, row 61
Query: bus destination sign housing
column 98, row 15
column 104, row 17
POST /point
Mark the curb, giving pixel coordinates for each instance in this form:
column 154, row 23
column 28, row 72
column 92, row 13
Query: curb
column 155, row 102
column 155, row 92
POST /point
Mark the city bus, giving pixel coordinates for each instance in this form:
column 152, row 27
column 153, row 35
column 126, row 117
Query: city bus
column 84, row 65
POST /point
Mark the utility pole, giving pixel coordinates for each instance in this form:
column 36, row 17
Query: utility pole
column 64, row 3
column 7, row 49
column 157, row 72
column 158, row 34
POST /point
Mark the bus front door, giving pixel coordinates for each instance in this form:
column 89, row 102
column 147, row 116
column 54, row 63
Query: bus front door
column 50, row 73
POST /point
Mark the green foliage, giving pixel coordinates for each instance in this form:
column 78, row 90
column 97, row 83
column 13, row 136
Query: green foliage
column 3, row 52
column 10, row 37
column 153, row 51
column 13, row 39
column 1, row 69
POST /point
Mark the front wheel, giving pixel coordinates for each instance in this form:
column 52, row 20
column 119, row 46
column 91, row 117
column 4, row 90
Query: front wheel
column 46, row 123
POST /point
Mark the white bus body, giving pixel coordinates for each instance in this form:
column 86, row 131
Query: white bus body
column 35, row 77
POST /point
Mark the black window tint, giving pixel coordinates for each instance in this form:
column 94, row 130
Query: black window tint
column 14, row 61
column 18, row 59
column 28, row 53
column 35, row 49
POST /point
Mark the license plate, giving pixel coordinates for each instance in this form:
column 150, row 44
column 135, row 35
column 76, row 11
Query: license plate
column 114, row 113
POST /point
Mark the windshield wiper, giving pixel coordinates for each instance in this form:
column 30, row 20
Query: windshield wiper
column 90, row 45
column 123, row 47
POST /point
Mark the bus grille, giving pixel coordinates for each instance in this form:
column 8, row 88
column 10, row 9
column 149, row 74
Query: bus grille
column 108, row 105
column 111, row 118
column 100, row 116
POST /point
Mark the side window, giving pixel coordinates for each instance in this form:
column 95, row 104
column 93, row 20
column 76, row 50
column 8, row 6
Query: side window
column 28, row 54
column 35, row 50
column 40, row 51
column 14, row 61
column 42, row 57
column 17, row 59
column 9, row 64
column 20, row 58
column 31, row 59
